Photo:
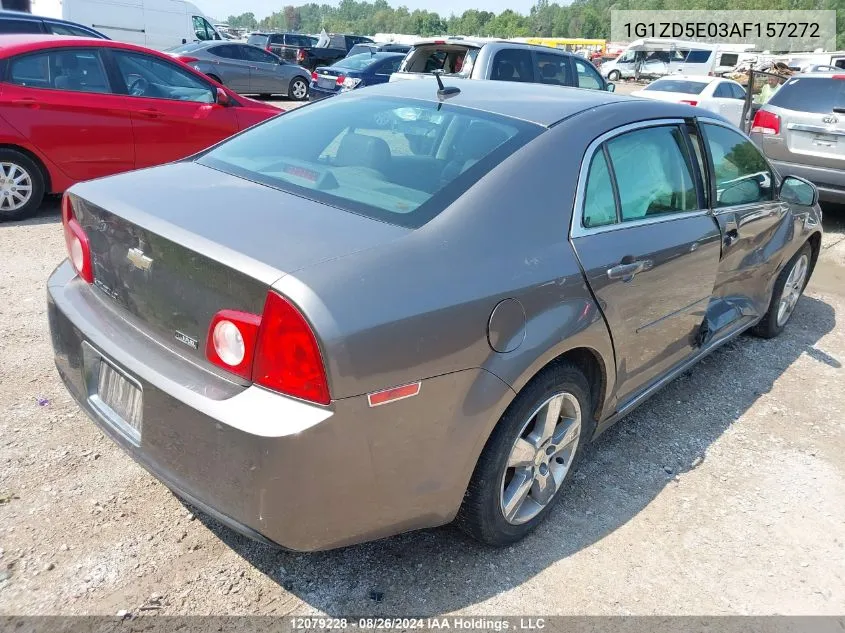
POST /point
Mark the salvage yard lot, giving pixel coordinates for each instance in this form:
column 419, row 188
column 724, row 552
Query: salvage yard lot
column 725, row 493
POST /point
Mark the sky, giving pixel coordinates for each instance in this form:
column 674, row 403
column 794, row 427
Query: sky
column 222, row 9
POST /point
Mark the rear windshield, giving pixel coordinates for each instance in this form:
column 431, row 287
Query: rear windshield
column 184, row 48
column 452, row 59
column 394, row 160
column 361, row 48
column 356, row 62
column 810, row 94
column 676, row 85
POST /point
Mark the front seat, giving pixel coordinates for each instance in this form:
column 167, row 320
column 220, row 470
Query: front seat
column 71, row 77
column 360, row 150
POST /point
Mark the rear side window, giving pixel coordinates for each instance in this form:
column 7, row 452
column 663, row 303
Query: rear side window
column 393, row 160
column 20, row 26
column 553, row 69
column 723, row 91
column 742, row 174
column 77, row 70
column 65, row 29
column 810, row 94
column 737, row 91
column 676, row 85
column 698, row 57
column 599, row 203
column 513, row 64
column 653, row 173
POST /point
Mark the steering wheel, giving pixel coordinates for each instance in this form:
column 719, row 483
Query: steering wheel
column 138, row 86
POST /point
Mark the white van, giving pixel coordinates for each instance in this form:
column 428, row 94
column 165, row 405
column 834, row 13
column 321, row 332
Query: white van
column 158, row 24
column 657, row 57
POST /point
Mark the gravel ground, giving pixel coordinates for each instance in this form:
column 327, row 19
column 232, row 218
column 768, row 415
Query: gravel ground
column 725, row 494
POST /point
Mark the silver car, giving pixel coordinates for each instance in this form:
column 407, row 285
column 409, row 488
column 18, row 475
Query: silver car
column 801, row 130
column 245, row 68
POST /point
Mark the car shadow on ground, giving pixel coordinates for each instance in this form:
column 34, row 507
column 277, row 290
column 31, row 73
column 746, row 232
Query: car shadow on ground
column 48, row 213
column 441, row 570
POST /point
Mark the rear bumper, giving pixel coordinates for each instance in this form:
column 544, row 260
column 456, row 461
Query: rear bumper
column 276, row 469
column 830, row 182
column 315, row 93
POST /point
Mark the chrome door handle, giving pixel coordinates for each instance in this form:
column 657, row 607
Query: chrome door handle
column 626, row 272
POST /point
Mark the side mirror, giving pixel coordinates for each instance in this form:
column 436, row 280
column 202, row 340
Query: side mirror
column 611, row 87
column 798, row 191
column 222, row 98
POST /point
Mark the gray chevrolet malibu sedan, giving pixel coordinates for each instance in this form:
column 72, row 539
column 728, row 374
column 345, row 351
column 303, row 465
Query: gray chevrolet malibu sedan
column 330, row 329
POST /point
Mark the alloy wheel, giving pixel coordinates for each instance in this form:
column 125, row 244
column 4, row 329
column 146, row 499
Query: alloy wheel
column 299, row 89
column 792, row 289
column 540, row 458
column 15, row 187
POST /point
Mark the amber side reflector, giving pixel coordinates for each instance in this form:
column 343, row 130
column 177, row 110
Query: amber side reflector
column 394, row 394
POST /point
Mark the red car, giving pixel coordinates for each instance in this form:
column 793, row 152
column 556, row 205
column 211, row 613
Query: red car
column 74, row 108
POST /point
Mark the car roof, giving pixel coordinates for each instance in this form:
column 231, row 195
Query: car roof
column 19, row 15
column 702, row 79
column 820, row 75
column 542, row 104
column 17, row 43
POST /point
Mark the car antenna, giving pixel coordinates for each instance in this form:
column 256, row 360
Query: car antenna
column 444, row 92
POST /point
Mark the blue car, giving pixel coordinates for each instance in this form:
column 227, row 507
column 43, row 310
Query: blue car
column 352, row 72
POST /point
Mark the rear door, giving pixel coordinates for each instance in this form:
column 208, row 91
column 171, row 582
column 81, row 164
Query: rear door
column 649, row 248
column 62, row 101
column 230, row 67
column 173, row 111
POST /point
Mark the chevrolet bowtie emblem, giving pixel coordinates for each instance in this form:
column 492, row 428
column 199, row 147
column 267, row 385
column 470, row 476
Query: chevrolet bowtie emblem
column 138, row 259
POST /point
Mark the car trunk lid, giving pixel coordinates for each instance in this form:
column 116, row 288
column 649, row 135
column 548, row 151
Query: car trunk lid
column 169, row 258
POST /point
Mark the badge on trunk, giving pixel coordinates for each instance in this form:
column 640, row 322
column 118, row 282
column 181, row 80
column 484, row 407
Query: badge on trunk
column 137, row 258
column 187, row 340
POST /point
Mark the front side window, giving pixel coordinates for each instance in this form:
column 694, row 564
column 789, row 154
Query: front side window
column 513, row 64
column 737, row 91
column 587, row 76
column 342, row 153
column 741, row 173
column 202, row 29
column 153, row 78
column 78, row 70
column 252, row 54
column 653, row 172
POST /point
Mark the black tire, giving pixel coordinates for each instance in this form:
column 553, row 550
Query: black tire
column 35, row 177
column 614, row 75
column 295, row 83
column 768, row 327
column 481, row 514
column 265, row 95
column 216, row 78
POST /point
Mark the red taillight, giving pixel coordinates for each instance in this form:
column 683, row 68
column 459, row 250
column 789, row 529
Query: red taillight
column 231, row 341
column 187, row 60
column 766, row 123
column 839, row 76
column 314, row 75
column 300, row 55
column 287, row 357
column 268, row 49
column 340, row 79
column 78, row 247
column 439, row 42
column 687, row 101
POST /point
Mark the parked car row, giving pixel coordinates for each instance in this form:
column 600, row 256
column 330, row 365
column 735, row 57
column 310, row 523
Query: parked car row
column 73, row 108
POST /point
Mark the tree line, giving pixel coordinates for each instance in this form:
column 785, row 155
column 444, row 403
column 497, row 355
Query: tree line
column 582, row 18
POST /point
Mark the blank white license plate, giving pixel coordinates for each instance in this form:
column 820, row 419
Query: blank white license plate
column 123, row 398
